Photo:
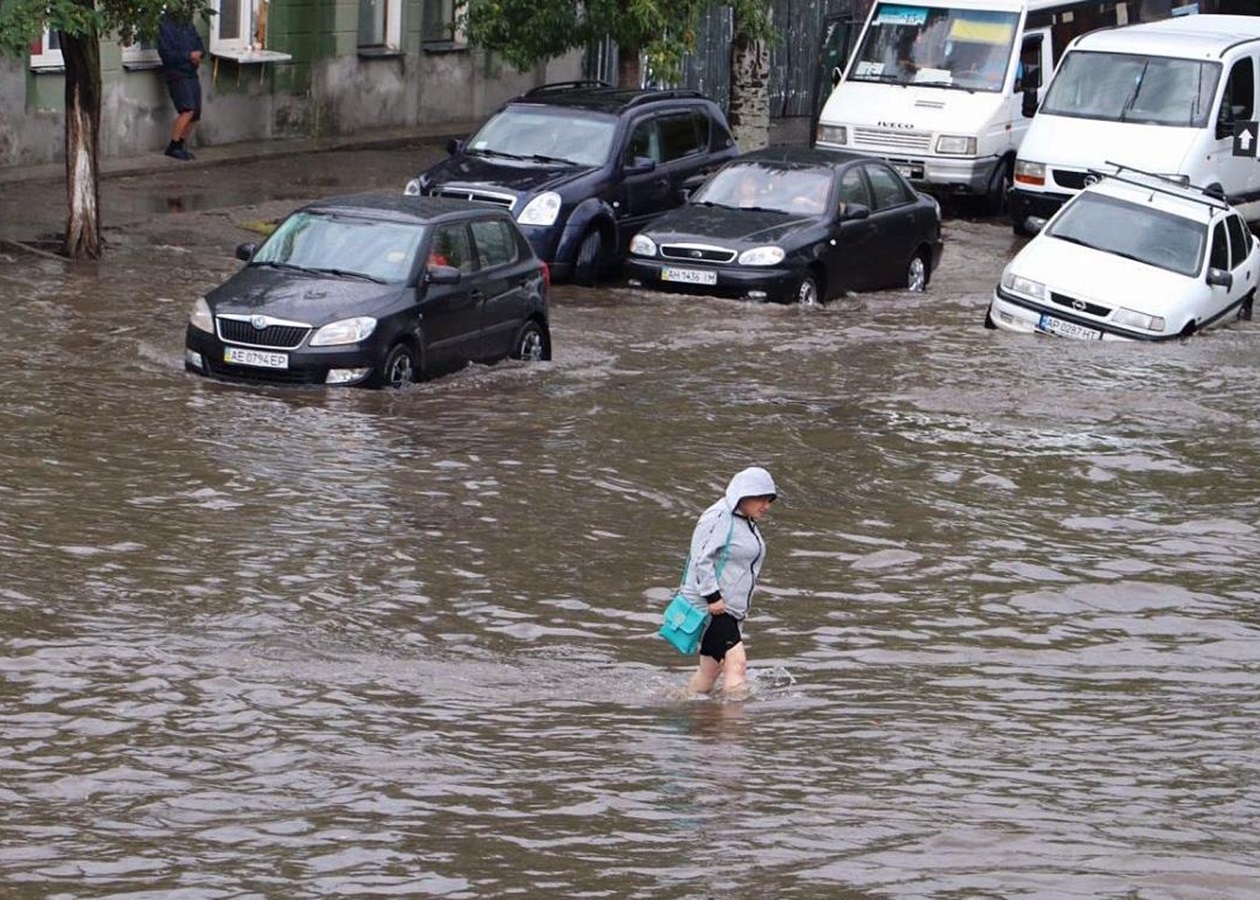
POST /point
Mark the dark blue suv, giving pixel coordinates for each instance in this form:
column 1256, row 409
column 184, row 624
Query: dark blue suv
column 582, row 166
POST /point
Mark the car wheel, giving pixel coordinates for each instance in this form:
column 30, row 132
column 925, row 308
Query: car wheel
column 590, row 254
column 531, row 344
column 917, row 273
column 400, row 367
column 999, row 189
column 807, row 292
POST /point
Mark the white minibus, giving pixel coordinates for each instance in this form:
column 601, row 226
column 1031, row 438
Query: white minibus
column 1161, row 96
column 936, row 87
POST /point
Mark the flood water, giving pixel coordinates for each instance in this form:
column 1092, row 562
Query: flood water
column 338, row 643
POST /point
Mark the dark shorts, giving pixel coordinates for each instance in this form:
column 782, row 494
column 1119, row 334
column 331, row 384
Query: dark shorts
column 721, row 635
column 186, row 95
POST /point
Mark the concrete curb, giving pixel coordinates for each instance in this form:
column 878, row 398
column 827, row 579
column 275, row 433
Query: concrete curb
column 248, row 151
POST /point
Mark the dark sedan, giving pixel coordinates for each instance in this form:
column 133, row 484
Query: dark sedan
column 374, row 291
column 793, row 226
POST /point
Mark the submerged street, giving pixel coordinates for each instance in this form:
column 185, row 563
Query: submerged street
column 311, row 643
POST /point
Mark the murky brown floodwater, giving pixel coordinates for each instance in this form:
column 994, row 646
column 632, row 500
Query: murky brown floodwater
column 265, row 643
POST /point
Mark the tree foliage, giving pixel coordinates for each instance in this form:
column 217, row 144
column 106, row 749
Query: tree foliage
column 527, row 32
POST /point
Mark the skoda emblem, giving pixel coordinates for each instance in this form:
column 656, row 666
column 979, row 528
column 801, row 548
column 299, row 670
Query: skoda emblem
column 259, row 322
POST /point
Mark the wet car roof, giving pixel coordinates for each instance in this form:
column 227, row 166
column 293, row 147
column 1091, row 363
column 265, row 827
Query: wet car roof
column 611, row 100
column 403, row 207
column 799, row 156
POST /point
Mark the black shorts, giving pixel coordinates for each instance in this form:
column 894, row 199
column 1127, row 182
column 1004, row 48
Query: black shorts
column 720, row 636
column 186, row 95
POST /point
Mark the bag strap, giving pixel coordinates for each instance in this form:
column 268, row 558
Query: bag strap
column 722, row 557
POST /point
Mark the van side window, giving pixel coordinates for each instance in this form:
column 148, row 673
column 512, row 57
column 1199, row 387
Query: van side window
column 1239, row 246
column 1220, row 248
column 1028, row 75
column 1239, row 100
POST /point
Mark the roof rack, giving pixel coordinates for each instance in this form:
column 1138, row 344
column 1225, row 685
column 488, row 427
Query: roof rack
column 556, row 86
column 1212, row 195
column 649, row 96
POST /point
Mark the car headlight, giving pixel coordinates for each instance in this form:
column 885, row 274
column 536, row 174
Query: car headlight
column 542, row 210
column 345, row 331
column 832, row 134
column 1027, row 172
column 642, row 245
column 201, row 319
column 1018, row 284
column 761, row 256
column 1131, row 318
column 956, row 145
column 412, row 189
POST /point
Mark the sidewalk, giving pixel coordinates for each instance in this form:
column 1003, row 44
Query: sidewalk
column 250, row 151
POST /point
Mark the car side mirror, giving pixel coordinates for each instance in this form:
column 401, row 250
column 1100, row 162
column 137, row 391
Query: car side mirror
column 454, row 145
column 836, row 75
column 245, row 251
column 1028, row 107
column 640, row 165
column 443, row 275
column 851, row 212
column 1220, row 278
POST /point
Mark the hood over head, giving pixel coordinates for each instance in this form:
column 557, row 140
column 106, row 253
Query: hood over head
column 751, row 482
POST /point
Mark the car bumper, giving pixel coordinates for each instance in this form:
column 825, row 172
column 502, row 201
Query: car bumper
column 741, row 282
column 1039, row 205
column 204, row 354
column 1010, row 313
column 937, row 174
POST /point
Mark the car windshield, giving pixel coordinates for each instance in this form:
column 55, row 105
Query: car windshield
column 1133, row 231
column 546, row 135
column 761, row 186
column 1124, row 87
column 342, row 244
column 952, row 48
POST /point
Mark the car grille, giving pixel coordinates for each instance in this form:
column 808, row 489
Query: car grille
column 697, row 253
column 507, row 201
column 273, row 336
column 1080, row 305
column 914, row 141
column 1073, row 181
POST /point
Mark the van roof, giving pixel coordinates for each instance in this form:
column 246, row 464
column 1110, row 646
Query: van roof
column 1189, row 37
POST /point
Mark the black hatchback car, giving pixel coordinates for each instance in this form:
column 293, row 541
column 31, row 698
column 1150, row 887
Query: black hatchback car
column 582, row 166
column 793, row 225
column 374, row 291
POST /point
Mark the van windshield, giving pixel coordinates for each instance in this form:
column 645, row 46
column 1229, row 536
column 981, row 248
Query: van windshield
column 1126, row 87
column 967, row 49
column 1136, row 232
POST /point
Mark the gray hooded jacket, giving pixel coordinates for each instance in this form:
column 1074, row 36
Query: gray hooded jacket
column 737, row 558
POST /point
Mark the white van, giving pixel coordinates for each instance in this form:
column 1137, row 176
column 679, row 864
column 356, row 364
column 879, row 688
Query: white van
column 936, row 87
column 1162, row 97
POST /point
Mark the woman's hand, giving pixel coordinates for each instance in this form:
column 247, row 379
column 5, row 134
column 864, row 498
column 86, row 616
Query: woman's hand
column 717, row 607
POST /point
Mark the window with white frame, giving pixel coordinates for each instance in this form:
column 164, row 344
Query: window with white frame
column 46, row 52
column 441, row 25
column 236, row 25
column 380, row 24
column 140, row 54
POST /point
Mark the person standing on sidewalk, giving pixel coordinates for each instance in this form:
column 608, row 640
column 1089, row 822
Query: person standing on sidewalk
column 727, row 552
column 179, row 45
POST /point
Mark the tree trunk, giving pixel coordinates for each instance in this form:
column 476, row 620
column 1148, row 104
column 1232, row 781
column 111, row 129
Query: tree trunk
column 82, row 144
column 750, row 87
column 629, row 72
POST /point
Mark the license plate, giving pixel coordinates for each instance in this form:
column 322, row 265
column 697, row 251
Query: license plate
column 689, row 276
column 259, row 358
column 904, row 171
column 1068, row 329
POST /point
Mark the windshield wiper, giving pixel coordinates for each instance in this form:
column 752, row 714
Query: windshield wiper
column 485, row 151
column 544, row 158
column 1074, row 240
column 347, row 273
column 294, row 267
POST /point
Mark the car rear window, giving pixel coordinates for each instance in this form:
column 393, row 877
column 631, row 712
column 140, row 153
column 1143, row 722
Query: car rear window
column 1133, row 230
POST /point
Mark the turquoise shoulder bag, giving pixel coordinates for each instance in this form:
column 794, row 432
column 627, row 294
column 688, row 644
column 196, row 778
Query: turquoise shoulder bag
column 684, row 624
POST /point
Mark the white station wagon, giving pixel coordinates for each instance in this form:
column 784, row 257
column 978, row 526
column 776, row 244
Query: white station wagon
column 1131, row 257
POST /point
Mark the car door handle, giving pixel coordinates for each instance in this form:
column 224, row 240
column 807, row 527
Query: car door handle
column 477, row 295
